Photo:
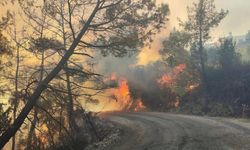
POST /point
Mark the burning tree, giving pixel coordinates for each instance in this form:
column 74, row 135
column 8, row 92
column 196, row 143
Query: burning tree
column 169, row 79
column 121, row 94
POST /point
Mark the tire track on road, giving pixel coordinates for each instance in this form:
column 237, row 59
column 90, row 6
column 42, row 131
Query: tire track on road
column 161, row 131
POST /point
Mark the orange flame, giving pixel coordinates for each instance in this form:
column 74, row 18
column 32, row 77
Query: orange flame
column 177, row 103
column 122, row 95
column 165, row 80
column 42, row 134
column 123, row 98
column 123, row 88
column 179, row 69
column 139, row 106
column 113, row 77
column 169, row 79
column 192, row 86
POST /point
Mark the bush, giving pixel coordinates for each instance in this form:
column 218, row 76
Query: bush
column 219, row 109
column 193, row 103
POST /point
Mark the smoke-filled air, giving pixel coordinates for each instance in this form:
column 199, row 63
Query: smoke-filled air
column 124, row 75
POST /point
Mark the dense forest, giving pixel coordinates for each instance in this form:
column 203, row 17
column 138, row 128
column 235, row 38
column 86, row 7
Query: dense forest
column 63, row 61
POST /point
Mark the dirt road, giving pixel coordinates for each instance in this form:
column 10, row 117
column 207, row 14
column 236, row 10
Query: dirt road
column 161, row 131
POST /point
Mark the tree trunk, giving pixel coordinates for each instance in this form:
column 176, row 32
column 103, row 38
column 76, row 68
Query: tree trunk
column 202, row 59
column 70, row 103
column 202, row 54
column 16, row 94
column 201, row 43
column 31, row 133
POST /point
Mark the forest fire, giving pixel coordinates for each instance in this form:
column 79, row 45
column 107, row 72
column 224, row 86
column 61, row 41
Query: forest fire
column 112, row 77
column 179, row 69
column 129, row 94
column 192, row 86
column 42, row 134
column 165, row 80
column 122, row 96
column 139, row 105
column 177, row 103
column 169, row 79
column 67, row 63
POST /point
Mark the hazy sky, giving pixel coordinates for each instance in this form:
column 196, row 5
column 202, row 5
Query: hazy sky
column 237, row 21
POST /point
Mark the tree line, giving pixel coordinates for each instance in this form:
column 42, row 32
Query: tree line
column 216, row 79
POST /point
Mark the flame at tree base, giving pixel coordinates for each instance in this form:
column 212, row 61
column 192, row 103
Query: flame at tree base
column 120, row 98
column 138, row 105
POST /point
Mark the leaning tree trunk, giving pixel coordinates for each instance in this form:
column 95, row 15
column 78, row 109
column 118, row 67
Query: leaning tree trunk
column 11, row 131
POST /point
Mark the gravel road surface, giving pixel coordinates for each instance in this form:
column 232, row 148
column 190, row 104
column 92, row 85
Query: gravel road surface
column 162, row 131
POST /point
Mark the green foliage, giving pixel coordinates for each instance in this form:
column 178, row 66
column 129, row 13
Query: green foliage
column 227, row 87
column 175, row 52
column 174, row 48
column 202, row 17
column 120, row 29
column 134, row 28
column 195, row 103
column 228, row 57
column 220, row 109
column 213, row 57
column 230, row 86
